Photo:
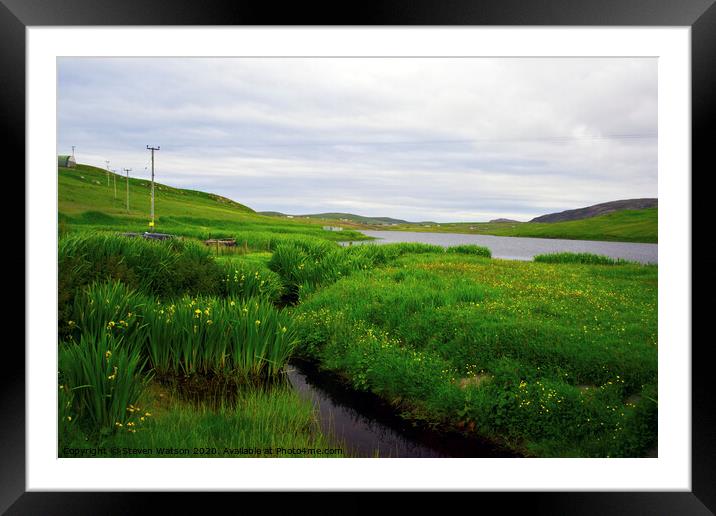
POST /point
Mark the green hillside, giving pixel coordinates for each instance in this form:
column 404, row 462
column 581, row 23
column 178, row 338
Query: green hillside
column 342, row 217
column 85, row 201
column 620, row 226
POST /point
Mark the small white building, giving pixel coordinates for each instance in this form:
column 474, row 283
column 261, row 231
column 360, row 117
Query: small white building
column 333, row 228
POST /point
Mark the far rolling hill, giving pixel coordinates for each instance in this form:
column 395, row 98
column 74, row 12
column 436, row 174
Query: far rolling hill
column 599, row 209
column 341, row 217
column 618, row 226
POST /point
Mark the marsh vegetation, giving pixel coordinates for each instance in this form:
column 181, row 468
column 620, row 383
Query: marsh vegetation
column 175, row 344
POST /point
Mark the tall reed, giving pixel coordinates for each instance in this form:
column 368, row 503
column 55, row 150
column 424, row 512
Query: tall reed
column 246, row 339
column 109, row 308
column 243, row 279
column 105, row 380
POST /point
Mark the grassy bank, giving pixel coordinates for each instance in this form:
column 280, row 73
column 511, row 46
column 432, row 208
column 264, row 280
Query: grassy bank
column 258, row 423
column 621, row 226
column 87, row 203
column 550, row 359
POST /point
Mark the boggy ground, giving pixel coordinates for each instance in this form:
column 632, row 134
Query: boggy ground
column 549, row 359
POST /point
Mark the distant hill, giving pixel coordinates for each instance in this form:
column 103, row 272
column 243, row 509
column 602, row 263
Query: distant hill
column 493, row 221
column 598, row 209
column 349, row 217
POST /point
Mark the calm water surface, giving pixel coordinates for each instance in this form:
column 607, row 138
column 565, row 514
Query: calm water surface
column 521, row 248
column 365, row 426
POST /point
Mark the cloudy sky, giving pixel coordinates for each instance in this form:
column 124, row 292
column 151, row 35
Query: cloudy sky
column 468, row 139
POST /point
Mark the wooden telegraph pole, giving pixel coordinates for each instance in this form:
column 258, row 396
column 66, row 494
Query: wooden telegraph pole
column 127, row 170
column 151, row 223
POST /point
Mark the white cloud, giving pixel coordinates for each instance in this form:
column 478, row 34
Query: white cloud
column 440, row 139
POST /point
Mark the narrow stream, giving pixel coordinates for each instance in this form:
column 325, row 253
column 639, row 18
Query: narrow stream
column 366, row 426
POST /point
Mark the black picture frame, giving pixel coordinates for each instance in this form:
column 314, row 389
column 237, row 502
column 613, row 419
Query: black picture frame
column 700, row 15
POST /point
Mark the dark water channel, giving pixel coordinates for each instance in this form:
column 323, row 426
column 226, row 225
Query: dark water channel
column 366, row 426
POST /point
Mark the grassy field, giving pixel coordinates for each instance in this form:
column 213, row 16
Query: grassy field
column 549, row 359
column 621, row 226
column 86, row 202
column 173, row 344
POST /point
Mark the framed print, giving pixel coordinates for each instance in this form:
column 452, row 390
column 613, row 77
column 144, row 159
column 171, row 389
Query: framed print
column 515, row 333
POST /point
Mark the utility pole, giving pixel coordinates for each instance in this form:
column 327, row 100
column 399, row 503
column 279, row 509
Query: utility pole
column 73, row 152
column 107, row 162
column 151, row 223
column 114, row 177
column 127, row 170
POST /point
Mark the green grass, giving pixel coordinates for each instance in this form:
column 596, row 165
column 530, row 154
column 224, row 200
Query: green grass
column 251, row 278
column 210, row 349
column 556, row 357
column 161, row 268
column 308, row 266
column 101, row 378
column 85, row 202
column 620, row 226
column 550, row 359
column 256, row 424
column 215, row 338
column 593, row 259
